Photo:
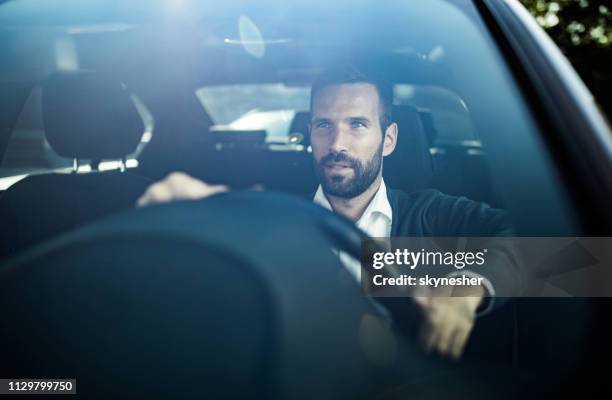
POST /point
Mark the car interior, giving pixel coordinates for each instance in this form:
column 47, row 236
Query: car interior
column 91, row 117
column 87, row 116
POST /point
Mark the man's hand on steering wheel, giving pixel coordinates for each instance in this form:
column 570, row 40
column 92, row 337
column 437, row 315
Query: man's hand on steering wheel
column 178, row 186
column 449, row 315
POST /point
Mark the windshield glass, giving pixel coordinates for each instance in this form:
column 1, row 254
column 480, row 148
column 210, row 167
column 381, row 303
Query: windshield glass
column 230, row 181
column 249, row 67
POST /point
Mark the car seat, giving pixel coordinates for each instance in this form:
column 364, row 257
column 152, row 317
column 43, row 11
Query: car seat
column 86, row 116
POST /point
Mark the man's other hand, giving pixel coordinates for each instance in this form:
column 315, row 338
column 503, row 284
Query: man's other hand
column 178, row 186
column 450, row 312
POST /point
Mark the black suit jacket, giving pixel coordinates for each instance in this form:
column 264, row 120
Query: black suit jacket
column 432, row 213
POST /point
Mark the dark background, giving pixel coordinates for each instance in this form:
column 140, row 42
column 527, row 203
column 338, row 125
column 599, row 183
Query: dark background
column 583, row 31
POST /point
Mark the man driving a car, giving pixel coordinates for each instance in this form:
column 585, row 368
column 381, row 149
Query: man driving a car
column 351, row 132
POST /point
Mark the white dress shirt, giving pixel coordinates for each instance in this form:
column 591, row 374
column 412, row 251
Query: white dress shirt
column 375, row 221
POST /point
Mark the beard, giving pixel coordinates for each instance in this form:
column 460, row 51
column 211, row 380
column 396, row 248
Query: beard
column 364, row 174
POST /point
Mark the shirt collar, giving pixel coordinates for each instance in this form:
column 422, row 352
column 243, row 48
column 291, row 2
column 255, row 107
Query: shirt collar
column 378, row 205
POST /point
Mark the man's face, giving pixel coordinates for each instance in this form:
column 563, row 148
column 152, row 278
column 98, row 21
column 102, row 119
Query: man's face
column 346, row 138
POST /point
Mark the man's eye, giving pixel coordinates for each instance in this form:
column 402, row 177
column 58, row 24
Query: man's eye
column 322, row 125
column 357, row 124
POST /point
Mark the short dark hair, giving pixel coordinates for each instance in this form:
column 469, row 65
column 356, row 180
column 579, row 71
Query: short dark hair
column 347, row 74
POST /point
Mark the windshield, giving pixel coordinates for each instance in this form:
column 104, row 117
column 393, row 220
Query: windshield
column 249, row 68
column 286, row 135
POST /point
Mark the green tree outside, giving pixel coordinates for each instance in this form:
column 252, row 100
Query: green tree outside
column 583, row 31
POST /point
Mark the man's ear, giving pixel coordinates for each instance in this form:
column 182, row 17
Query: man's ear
column 390, row 139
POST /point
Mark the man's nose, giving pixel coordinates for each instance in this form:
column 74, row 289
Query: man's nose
column 339, row 140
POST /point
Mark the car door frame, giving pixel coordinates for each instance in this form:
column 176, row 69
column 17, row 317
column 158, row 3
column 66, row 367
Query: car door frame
column 572, row 126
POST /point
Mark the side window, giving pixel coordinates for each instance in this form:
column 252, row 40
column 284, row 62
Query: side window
column 28, row 152
column 444, row 114
column 268, row 107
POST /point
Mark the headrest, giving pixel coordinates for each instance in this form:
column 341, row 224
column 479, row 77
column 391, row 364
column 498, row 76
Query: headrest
column 410, row 166
column 88, row 115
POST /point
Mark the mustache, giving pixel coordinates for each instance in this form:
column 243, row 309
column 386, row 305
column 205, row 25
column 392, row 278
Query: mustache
column 339, row 157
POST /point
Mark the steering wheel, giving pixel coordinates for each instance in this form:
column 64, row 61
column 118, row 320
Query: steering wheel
column 239, row 288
